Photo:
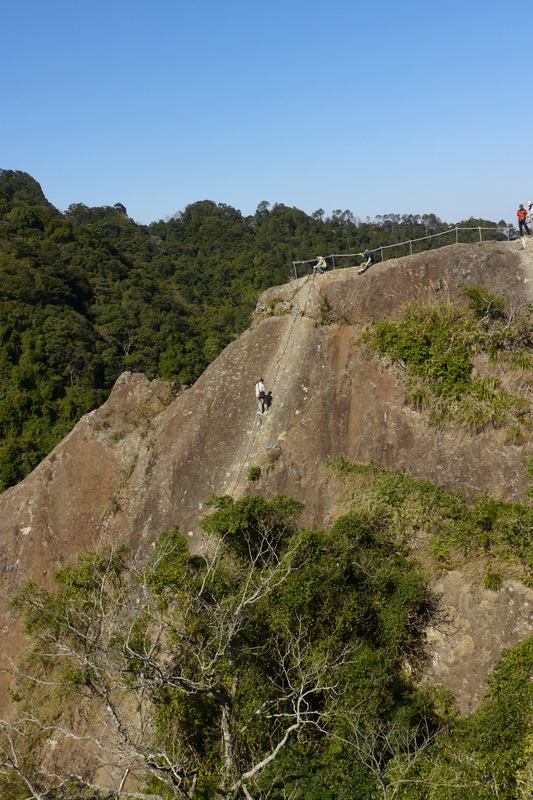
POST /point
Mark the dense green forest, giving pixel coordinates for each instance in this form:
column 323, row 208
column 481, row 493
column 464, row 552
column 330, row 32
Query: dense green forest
column 87, row 294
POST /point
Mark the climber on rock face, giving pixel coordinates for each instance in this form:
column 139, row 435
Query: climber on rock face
column 260, row 393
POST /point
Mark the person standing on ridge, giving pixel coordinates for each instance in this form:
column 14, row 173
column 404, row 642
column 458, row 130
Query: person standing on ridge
column 260, row 393
column 522, row 220
column 529, row 219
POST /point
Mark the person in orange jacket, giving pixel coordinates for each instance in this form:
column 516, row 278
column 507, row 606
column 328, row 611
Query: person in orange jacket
column 522, row 220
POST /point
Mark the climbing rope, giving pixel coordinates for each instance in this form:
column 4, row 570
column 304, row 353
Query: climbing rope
column 309, row 280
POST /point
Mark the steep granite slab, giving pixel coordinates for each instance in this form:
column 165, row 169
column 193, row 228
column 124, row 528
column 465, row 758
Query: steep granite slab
column 146, row 461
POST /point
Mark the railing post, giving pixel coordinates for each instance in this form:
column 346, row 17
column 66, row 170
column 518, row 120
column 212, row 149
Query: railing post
column 295, row 271
column 410, row 247
column 457, row 236
column 333, row 257
column 480, row 236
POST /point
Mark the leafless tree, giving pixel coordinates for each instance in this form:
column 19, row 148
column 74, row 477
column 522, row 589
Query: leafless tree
column 111, row 649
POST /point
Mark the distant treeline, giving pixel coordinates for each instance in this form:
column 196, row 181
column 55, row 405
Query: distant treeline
column 88, row 293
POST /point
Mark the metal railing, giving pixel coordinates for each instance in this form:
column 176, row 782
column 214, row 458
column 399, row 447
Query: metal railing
column 499, row 232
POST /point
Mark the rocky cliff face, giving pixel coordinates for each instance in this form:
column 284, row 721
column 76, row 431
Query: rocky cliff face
column 147, row 460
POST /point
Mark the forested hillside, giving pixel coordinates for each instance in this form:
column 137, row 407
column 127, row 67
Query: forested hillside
column 88, row 293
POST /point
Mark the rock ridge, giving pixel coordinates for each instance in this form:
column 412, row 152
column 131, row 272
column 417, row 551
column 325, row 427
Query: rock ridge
column 147, row 459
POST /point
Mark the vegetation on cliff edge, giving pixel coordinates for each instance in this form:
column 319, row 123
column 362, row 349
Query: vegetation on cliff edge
column 470, row 366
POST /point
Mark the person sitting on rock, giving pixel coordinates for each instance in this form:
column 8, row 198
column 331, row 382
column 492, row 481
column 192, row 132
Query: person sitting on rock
column 320, row 265
column 368, row 260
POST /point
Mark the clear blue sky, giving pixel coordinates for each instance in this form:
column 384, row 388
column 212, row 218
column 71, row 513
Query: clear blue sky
column 377, row 107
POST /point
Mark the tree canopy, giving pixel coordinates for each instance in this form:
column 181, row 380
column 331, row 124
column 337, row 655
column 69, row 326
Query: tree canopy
column 279, row 663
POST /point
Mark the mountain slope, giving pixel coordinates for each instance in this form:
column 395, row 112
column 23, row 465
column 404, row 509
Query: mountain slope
column 146, row 460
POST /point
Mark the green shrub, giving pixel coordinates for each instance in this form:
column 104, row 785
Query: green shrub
column 440, row 550
column 492, row 580
column 455, row 532
column 326, row 315
column 253, row 474
column 436, row 345
column 484, row 303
